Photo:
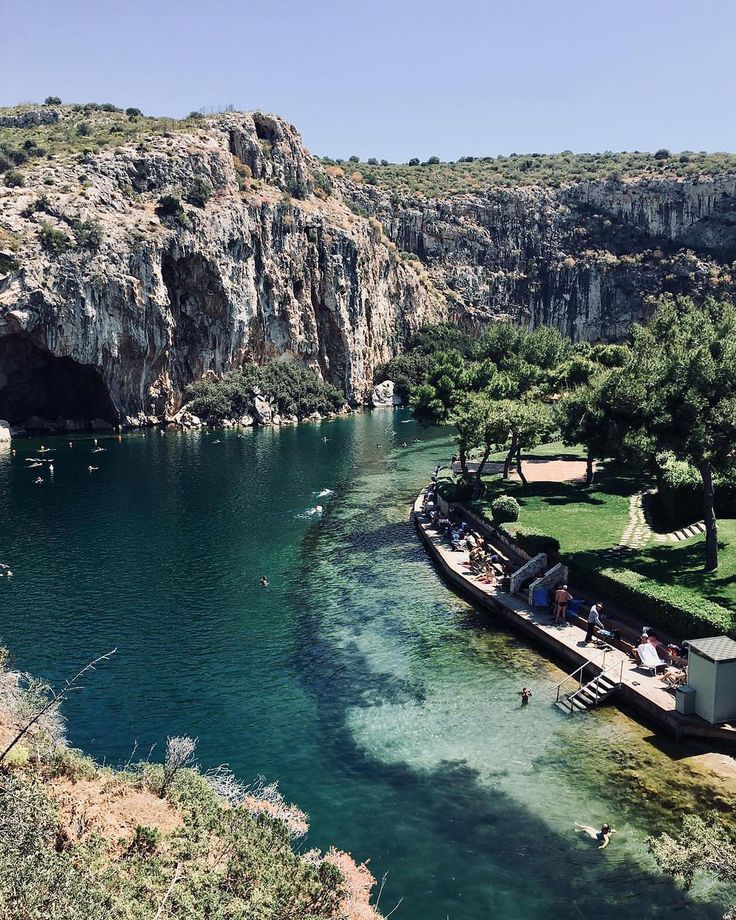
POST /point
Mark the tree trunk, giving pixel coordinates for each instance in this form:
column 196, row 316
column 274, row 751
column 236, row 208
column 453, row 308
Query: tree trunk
column 711, row 526
column 509, row 458
column 520, row 470
column 477, row 481
column 589, row 471
column 463, row 462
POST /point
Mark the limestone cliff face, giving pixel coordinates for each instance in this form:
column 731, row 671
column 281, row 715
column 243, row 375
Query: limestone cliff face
column 252, row 274
column 583, row 258
column 129, row 271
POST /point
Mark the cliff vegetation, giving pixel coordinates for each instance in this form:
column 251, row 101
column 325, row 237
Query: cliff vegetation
column 151, row 839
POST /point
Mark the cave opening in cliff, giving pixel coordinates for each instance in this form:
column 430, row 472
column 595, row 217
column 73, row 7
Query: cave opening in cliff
column 36, row 383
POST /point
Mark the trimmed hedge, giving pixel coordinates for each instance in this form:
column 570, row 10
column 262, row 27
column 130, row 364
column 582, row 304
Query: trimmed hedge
column 655, row 603
column 454, row 491
column 535, row 543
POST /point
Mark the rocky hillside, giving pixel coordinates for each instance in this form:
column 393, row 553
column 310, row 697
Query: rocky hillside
column 138, row 254
column 581, row 255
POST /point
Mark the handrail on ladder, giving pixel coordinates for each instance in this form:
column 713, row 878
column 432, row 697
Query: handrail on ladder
column 620, row 666
column 574, row 673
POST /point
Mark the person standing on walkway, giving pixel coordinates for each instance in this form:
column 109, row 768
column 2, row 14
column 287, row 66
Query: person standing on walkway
column 562, row 597
column 594, row 619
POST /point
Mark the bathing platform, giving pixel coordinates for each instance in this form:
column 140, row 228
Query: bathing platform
column 635, row 688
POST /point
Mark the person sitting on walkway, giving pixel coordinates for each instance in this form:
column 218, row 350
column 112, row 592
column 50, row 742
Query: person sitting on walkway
column 594, row 619
column 562, row 597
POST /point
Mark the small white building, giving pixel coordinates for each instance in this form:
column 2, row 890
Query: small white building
column 711, row 672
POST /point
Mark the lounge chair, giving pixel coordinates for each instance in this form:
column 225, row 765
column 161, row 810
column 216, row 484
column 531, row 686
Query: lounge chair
column 648, row 657
column 674, row 677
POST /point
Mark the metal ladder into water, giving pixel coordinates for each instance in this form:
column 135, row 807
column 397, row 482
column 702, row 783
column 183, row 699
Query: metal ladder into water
column 590, row 694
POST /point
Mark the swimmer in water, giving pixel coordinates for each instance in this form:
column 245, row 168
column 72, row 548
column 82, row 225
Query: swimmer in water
column 91, row 469
column 38, row 481
column 526, row 694
column 264, row 581
column 5, row 571
column 70, row 444
column 603, row 836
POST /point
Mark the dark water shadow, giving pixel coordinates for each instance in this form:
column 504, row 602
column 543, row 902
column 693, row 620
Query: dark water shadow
column 483, row 854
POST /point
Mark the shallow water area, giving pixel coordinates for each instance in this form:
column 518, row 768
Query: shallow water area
column 386, row 707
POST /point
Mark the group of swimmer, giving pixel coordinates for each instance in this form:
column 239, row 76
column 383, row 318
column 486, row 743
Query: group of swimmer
column 36, row 462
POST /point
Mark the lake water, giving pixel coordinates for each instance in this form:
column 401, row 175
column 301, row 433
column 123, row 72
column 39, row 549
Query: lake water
column 386, row 707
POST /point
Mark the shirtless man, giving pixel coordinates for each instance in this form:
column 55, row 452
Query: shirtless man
column 562, row 597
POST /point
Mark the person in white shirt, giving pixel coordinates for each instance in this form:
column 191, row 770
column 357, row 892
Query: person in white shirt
column 594, row 619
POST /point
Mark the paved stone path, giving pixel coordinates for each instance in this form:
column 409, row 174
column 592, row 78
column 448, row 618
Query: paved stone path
column 639, row 532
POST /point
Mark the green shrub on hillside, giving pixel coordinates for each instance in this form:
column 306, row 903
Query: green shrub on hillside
column 298, row 188
column 200, row 192
column 88, row 233
column 296, row 391
column 14, row 179
column 53, row 240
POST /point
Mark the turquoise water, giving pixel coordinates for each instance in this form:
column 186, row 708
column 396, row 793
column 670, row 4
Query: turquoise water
column 386, row 707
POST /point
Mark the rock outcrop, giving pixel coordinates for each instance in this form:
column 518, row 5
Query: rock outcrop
column 114, row 291
column 383, row 395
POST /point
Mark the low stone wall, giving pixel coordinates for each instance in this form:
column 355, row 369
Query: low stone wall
column 555, row 576
column 528, row 570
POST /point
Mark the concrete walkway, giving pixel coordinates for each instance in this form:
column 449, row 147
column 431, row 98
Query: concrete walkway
column 639, row 689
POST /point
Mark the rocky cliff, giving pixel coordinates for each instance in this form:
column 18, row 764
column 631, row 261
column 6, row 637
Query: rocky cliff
column 138, row 254
column 584, row 257
column 128, row 271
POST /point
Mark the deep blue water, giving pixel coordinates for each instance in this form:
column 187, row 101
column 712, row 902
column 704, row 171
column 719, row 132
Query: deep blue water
column 385, row 706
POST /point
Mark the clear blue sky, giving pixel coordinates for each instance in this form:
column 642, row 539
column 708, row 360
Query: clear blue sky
column 398, row 78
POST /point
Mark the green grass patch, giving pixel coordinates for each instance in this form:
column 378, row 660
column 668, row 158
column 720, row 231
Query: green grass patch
column 661, row 584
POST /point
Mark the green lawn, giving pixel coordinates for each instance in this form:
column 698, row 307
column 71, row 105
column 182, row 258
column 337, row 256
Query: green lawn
column 682, row 563
column 589, row 523
column 580, row 518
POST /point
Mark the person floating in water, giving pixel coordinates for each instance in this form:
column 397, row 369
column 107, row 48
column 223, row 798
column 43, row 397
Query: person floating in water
column 603, row 836
column 91, row 469
column 264, row 581
column 526, row 694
